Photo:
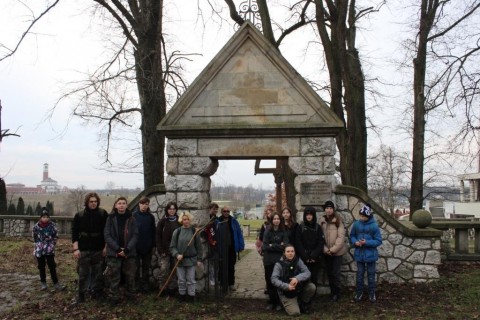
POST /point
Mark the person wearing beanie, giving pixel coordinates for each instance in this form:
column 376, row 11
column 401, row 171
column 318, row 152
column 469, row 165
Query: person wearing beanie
column 365, row 236
column 45, row 239
column 309, row 242
column 334, row 248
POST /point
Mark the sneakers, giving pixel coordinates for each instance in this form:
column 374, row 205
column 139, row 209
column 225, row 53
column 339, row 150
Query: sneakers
column 59, row 287
column 372, row 297
column 358, row 296
column 43, row 286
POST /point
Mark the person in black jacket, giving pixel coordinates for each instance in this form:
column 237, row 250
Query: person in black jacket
column 89, row 246
column 145, row 244
column 309, row 242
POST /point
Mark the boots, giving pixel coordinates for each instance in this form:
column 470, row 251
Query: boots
column 43, row 286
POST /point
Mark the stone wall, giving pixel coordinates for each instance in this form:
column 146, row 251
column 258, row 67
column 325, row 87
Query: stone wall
column 405, row 255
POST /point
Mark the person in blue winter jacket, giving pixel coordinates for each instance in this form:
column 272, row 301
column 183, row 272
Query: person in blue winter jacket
column 366, row 237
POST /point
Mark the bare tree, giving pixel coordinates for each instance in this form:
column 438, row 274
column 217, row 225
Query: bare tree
column 388, row 177
column 5, row 132
column 445, row 75
column 74, row 200
column 139, row 57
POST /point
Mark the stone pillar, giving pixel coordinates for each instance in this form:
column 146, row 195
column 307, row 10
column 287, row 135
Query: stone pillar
column 472, row 190
column 188, row 181
column 462, row 191
column 314, row 166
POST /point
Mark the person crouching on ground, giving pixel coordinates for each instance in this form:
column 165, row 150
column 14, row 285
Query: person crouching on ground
column 291, row 278
column 186, row 249
column 366, row 237
column 121, row 236
column 45, row 239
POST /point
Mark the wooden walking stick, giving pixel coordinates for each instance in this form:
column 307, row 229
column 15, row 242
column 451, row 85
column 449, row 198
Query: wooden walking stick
column 178, row 261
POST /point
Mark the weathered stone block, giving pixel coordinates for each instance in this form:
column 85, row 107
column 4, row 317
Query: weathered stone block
column 433, row 257
column 421, row 244
column 393, row 263
column 187, row 183
column 395, row 238
column 426, row 272
column 172, row 166
column 202, row 166
column 416, row 257
column 316, row 146
column 402, row 252
column 407, row 241
column 181, row 147
column 386, row 249
column 312, row 179
column 405, row 271
column 192, row 200
column 389, row 277
column 329, row 165
column 252, row 147
column 306, row 165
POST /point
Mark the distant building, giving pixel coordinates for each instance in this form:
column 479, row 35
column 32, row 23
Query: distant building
column 20, row 189
column 46, row 186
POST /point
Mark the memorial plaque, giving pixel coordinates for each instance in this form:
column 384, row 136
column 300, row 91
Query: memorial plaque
column 315, row 194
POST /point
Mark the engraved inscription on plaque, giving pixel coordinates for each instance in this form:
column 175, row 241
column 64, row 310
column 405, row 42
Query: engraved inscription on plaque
column 315, row 194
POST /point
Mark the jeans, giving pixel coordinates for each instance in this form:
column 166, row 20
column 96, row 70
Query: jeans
column 186, row 280
column 371, row 270
column 50, row 261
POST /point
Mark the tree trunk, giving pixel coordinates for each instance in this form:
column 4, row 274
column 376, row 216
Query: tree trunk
column 345, row 74
column 150, row 83
column 427, row 15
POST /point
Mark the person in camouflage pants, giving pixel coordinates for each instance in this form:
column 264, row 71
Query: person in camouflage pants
column 121, row 236
column 88, row 247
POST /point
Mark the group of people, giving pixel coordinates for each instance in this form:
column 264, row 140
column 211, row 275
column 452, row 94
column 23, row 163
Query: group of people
column 293, row 253
column 119, row 246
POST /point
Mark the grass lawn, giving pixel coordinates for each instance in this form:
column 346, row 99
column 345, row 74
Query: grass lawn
column 455, row 296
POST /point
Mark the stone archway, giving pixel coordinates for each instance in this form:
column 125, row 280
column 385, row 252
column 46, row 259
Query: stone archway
column 191, row 162
column 248, row 103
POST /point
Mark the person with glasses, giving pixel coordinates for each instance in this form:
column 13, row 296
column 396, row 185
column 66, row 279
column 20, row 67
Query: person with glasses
column 89, row 247
column 165, row 228
column 230, row 242
column 212, row 244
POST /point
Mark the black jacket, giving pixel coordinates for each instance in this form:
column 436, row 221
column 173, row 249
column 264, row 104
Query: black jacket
column 87, row 229
column 309, row 238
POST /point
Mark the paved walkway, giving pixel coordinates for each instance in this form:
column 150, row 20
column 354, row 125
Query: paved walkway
column 249, row 276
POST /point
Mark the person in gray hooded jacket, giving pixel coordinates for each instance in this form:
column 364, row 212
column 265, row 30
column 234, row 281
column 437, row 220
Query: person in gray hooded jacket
column 291, row 278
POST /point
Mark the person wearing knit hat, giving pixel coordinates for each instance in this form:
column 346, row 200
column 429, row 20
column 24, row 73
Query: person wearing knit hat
column 365, row 236
column 45, row 239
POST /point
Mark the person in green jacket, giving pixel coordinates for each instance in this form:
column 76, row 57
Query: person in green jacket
column 186, row 249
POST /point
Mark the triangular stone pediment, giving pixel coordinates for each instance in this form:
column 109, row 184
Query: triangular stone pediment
column 249, row 89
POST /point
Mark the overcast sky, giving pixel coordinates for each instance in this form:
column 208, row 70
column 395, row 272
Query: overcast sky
column 66, row 45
